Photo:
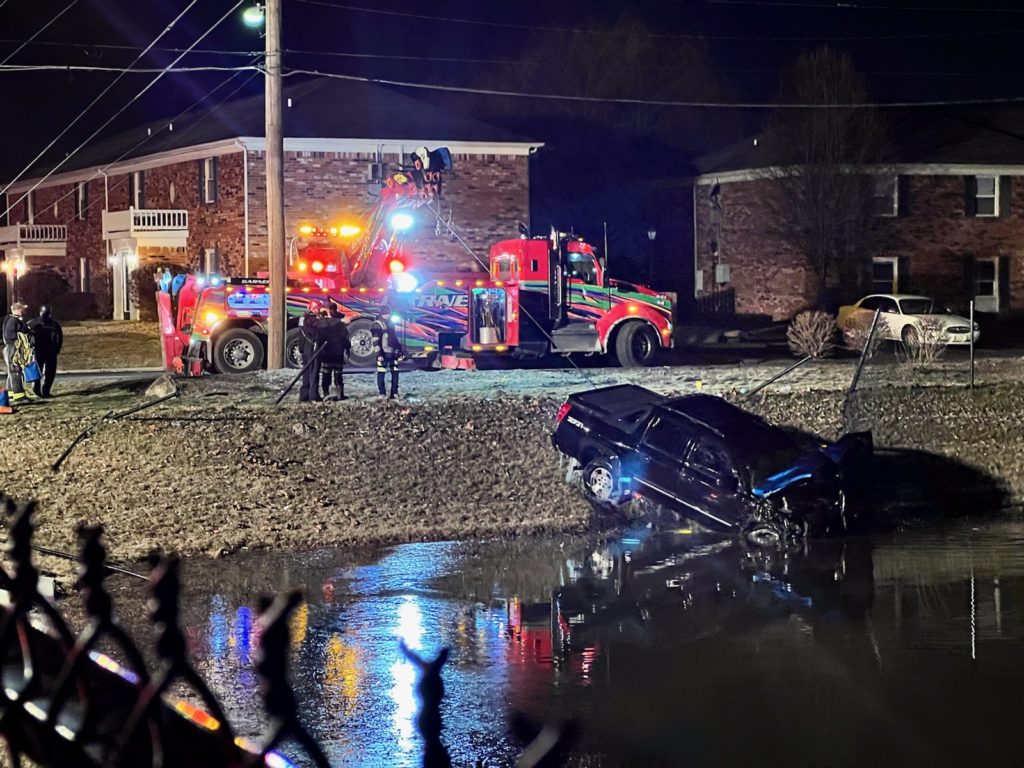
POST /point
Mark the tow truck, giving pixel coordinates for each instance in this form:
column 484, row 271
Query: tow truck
column 540, row 296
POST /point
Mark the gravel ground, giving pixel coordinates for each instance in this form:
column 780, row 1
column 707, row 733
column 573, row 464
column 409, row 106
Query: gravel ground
column 466, row 455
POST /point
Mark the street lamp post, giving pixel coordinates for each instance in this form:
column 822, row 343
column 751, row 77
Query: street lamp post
column 651, row 234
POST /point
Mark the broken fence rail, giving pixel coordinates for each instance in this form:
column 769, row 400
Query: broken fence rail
column 64, row 704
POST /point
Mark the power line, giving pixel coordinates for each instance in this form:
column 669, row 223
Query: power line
column 151, row 136
column 122, row 70
column 648, row 102
column 121, row 47
column 93, row 103
column 663, row 35
column 117, row 114
column 13, row 53
column 848, row 7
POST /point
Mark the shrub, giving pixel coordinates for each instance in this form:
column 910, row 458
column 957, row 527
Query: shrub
column 855, row 336
column 41, row 286
column 812, row 334
column 922, row 345
column 76, row 306
column 142, row 288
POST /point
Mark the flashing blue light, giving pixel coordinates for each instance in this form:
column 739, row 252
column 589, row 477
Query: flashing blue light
column 401, row 221
column 216, row 280
column 200, row 281
column 396, row 319
column 405, row 283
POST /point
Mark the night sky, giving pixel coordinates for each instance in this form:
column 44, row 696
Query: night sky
column 732, row 51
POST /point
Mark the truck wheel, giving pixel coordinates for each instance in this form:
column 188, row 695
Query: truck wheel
column 237, row 350
column 293, row 348
column 636, row 345
column 361, row 354
column 600, row 482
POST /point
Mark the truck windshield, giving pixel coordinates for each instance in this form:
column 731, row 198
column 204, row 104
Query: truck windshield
column 583, row 267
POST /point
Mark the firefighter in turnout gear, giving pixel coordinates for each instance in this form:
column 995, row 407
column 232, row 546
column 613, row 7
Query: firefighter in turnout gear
column 311, row 326
column 334, row 333
column 15, row 334
column 389, row 351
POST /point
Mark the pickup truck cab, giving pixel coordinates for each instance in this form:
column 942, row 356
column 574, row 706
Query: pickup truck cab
column 708, row 461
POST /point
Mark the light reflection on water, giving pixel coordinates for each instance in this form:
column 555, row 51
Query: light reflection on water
column 671, row 649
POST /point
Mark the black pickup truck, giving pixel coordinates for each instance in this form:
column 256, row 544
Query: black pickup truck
column 708, row 461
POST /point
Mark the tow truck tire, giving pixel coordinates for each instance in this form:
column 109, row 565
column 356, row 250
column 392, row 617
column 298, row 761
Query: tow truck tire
column 238, row 350
column 636, row 345
column 361, row 354
column 600, row 483
column 293, row 348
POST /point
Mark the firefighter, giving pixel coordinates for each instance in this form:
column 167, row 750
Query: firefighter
column 334, row 333
column 311, row 326
column 14, row 325
column 49, row 338
column 389, row 351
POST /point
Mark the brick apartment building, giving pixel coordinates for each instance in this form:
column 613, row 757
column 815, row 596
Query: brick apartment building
column 949, row 207
column 193, row 192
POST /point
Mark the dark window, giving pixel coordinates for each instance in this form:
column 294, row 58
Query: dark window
column 667, row 436
column 884, row 195
column 137, row 190
column 883, row 275
column 888, row 305
column 872, row 303
column 711, row 459
column 985, row 277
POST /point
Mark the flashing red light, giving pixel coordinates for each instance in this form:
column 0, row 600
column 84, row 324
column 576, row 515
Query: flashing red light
column 396, row 265
column 563, row 411
column 317, row 266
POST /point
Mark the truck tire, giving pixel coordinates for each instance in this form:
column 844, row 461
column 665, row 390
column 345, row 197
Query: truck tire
column 362, row 353
column 636, row 345
column 293, row 348
column 238, row 350
column 600, row 484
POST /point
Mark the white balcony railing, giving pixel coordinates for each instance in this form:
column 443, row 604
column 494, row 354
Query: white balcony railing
column 19, row 235
column 148, row 226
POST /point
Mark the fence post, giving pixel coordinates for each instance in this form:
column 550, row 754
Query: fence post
column 971, row 332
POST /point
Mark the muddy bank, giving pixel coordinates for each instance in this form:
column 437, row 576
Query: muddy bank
column 219, row 469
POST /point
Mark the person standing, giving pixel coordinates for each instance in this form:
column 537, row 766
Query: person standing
column 49, row 338
column 336, row 346
column 310, row 324
column 389, row 351
column 13, row 325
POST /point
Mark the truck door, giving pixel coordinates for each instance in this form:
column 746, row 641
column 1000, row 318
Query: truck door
column 661, row 453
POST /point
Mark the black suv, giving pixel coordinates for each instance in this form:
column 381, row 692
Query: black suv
column 708, row 461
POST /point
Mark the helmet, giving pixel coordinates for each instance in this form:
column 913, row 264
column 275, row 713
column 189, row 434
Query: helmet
column 44, row 310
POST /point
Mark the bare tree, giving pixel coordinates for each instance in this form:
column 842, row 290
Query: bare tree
column 821, row 191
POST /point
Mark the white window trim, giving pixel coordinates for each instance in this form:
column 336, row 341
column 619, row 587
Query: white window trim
column 208, row 166
column 894, row 210
column 994, row 196
column 895, row 261
column 80, row 207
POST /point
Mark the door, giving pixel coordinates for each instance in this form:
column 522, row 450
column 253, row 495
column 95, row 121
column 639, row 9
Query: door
column 660, row 462
column 710, row 480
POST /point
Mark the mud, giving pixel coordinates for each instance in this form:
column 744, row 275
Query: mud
column 220, row 469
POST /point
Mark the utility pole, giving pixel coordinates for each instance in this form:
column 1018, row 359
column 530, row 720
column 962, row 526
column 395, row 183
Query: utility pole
column 275, row 189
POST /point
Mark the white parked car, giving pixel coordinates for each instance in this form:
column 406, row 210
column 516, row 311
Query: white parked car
column 906, row 318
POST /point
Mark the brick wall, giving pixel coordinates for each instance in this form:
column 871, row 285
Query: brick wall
column 486, row 196
column 935, row 240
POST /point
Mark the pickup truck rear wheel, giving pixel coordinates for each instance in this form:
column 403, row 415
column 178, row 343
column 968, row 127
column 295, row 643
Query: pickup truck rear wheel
column 636, row 345
column 600, row 482
column 237, row 350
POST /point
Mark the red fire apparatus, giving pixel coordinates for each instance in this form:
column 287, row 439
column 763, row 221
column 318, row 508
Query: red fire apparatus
column 539, row 296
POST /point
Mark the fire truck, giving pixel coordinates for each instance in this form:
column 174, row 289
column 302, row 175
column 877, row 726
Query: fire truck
column 539, row 296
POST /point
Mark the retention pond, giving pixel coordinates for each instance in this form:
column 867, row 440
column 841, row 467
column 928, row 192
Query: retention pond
column 667, row 649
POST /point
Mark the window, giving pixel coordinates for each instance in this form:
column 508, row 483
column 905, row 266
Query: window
column 208, row 180
column 879, row 302
column 137, row 190
column 985, row 277
column 711, row 460
column 986, row 196
column 211, row 260
column 884, row 274
column 885, row 195
column 667, row 436
column 81, row 200
column 583, row 267
column 503, row 267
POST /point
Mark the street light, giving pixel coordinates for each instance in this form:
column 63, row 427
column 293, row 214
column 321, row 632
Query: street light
column 254, row 15
column 651, row 234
